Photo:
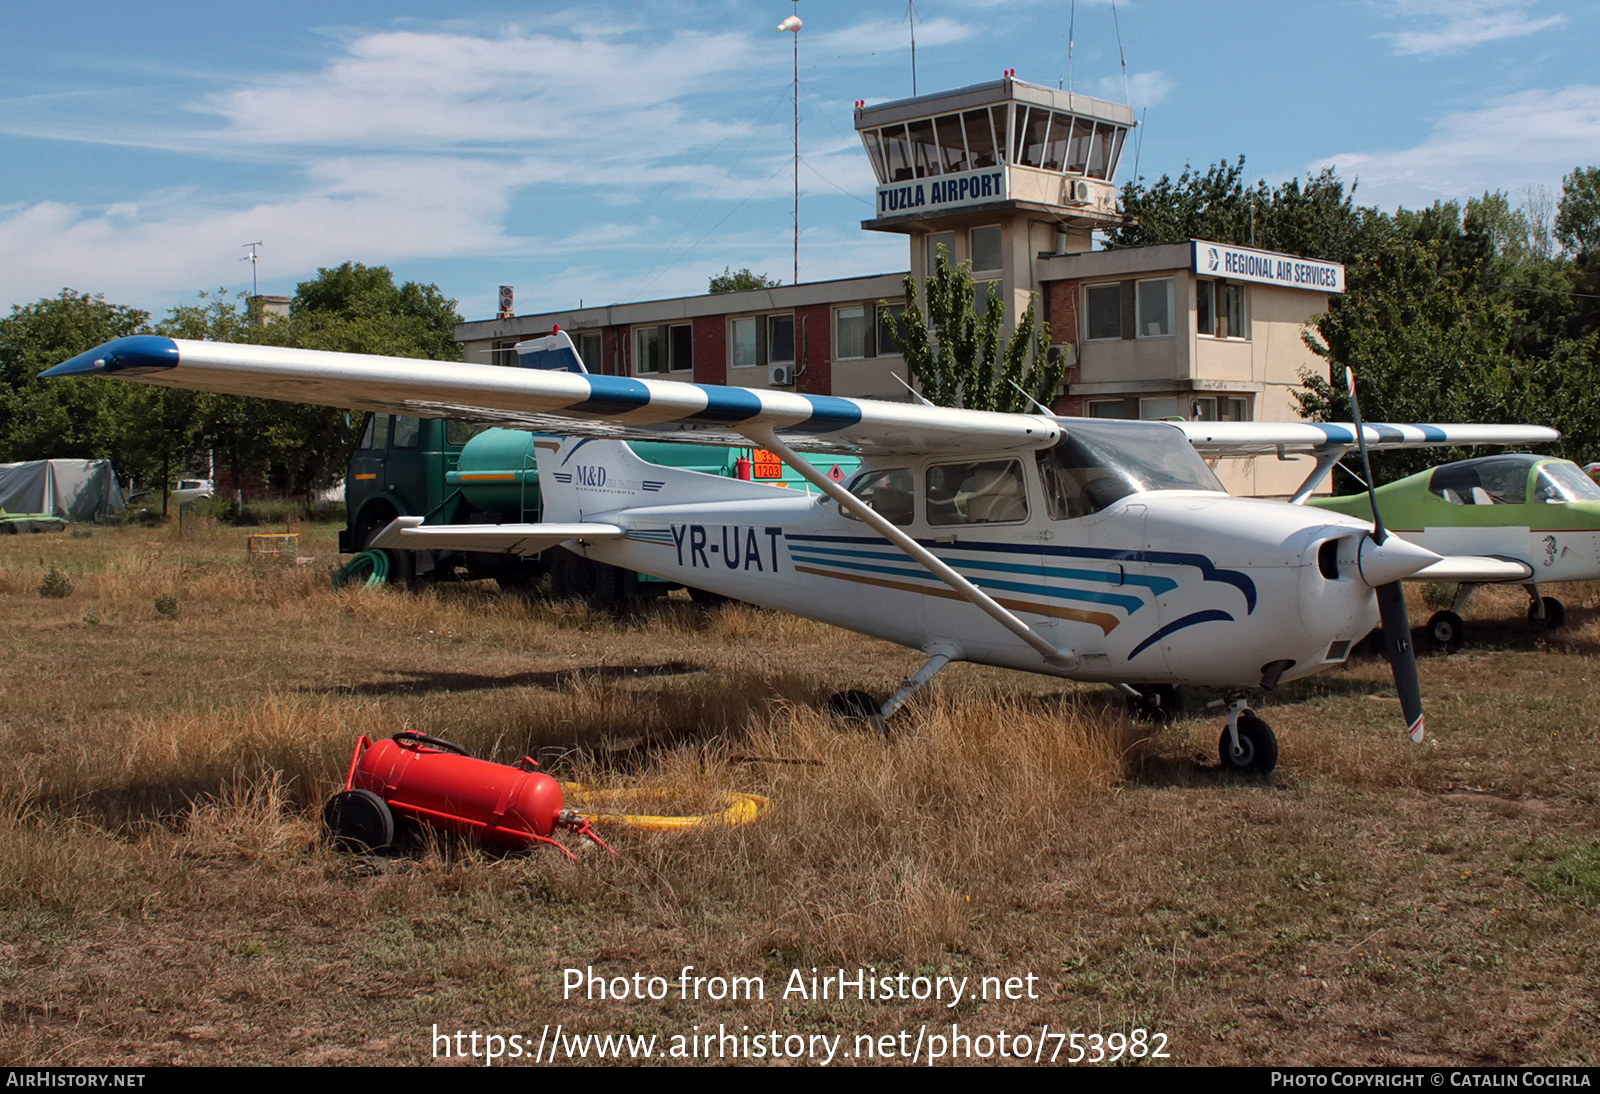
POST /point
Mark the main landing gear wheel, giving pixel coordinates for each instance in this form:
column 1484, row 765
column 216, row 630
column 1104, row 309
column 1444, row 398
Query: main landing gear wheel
column 1258, row 747
column 1162, row 703
column 859, row 708
column 1446, row 629
column 1555, row 614
column 601, row 586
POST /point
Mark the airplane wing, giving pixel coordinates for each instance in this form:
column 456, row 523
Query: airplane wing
column 1475, row 569
column 558, row 402
column 410, row 534
column 1314, row 438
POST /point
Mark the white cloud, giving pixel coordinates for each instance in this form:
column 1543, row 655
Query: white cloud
column 1455, row 26
column 1143, row 89
column 1533, row 137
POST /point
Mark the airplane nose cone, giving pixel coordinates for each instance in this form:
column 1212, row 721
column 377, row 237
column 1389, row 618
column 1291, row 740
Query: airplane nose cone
column 1392, row 560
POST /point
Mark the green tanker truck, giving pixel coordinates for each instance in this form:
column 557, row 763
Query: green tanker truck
column 459, row 473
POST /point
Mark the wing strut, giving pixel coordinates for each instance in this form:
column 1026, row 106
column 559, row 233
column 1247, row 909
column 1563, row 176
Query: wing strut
column 765, row 437
column 1326, row 458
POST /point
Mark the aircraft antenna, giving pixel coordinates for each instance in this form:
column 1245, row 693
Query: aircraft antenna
column 1041, row 409
column 255, row 289
column 915, row 394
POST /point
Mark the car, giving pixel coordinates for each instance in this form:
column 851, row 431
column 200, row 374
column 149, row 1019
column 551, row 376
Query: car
column 193, row 490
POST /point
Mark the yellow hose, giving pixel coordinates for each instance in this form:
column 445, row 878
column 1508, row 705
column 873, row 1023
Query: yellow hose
column 742, row 808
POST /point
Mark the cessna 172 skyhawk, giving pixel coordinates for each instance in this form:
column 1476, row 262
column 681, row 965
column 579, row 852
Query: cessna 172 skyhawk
column 1087, row 549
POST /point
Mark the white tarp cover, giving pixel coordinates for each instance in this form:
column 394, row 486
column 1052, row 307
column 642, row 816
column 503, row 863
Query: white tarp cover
column 74, row 489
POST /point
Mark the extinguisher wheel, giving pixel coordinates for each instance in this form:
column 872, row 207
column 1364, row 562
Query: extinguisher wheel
column 359, row 820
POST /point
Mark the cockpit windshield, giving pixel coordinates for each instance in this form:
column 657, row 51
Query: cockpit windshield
column 1094, row 465
column 1562, row 481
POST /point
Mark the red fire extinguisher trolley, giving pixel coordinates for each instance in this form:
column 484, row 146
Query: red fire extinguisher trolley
column 415, row 777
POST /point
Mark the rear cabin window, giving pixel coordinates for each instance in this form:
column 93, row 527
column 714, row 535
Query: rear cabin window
column 984, row 492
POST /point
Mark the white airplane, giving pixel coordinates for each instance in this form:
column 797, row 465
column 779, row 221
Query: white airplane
column 1085, row 549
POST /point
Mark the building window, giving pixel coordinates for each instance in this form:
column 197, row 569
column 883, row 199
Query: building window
column 680, row 348
column 1103, row 308
column 865, row 330
column 780, row 339
column 1162, row 407
column 1154, row 308
column 646, row 350
column 588, row 345
column 982, row 293
column 744, row 343
column 1221, row 408
column 850, row 332
column 504, row 353
column 946, row 240
column 1219, row 310
column 1108, row 408
column 987, row 251
column 888, row 315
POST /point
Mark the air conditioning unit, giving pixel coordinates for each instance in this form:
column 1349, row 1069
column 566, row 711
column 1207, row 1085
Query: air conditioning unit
column 780, row 375
column 1081, row 190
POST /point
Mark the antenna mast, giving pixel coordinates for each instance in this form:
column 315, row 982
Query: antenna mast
column 911, row 17
column 792, row 25
column 255, row 289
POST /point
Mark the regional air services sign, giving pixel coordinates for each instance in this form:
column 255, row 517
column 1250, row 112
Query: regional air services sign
column 1266, row 267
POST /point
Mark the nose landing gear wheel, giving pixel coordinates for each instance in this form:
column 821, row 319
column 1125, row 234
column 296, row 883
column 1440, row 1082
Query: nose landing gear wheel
column 1258, row 747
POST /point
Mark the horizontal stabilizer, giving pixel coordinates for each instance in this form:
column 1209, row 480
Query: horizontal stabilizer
column 410, row 534
column 1475, row 568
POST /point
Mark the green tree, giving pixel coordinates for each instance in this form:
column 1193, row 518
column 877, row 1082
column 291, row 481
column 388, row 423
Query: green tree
column 1578, row 215
column 1424, row 346
column 1317, row 218
column 958, row 357
column 729, row 281
column 58, row 418
column 359, row 309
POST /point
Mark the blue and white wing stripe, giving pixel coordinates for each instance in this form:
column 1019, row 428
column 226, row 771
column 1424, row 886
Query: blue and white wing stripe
column 557, row 402
column 1263, row 438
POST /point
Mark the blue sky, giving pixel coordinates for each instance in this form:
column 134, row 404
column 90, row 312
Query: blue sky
column 610, row 151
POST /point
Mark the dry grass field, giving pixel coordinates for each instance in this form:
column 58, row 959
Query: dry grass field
column 165, row 896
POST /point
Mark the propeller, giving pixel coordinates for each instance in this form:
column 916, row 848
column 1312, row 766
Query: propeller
column 1391, row 600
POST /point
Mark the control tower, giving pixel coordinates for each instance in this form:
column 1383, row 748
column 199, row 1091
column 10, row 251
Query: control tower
column 999, row 174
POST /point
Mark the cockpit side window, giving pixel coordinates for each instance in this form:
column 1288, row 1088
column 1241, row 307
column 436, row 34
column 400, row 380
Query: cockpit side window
column 981, row 492
column 1094, row 466
column 889, row 493
column 1498, row 480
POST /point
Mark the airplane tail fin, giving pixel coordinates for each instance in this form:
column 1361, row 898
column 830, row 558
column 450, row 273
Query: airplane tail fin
column 583, row 476
column 552, row 353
